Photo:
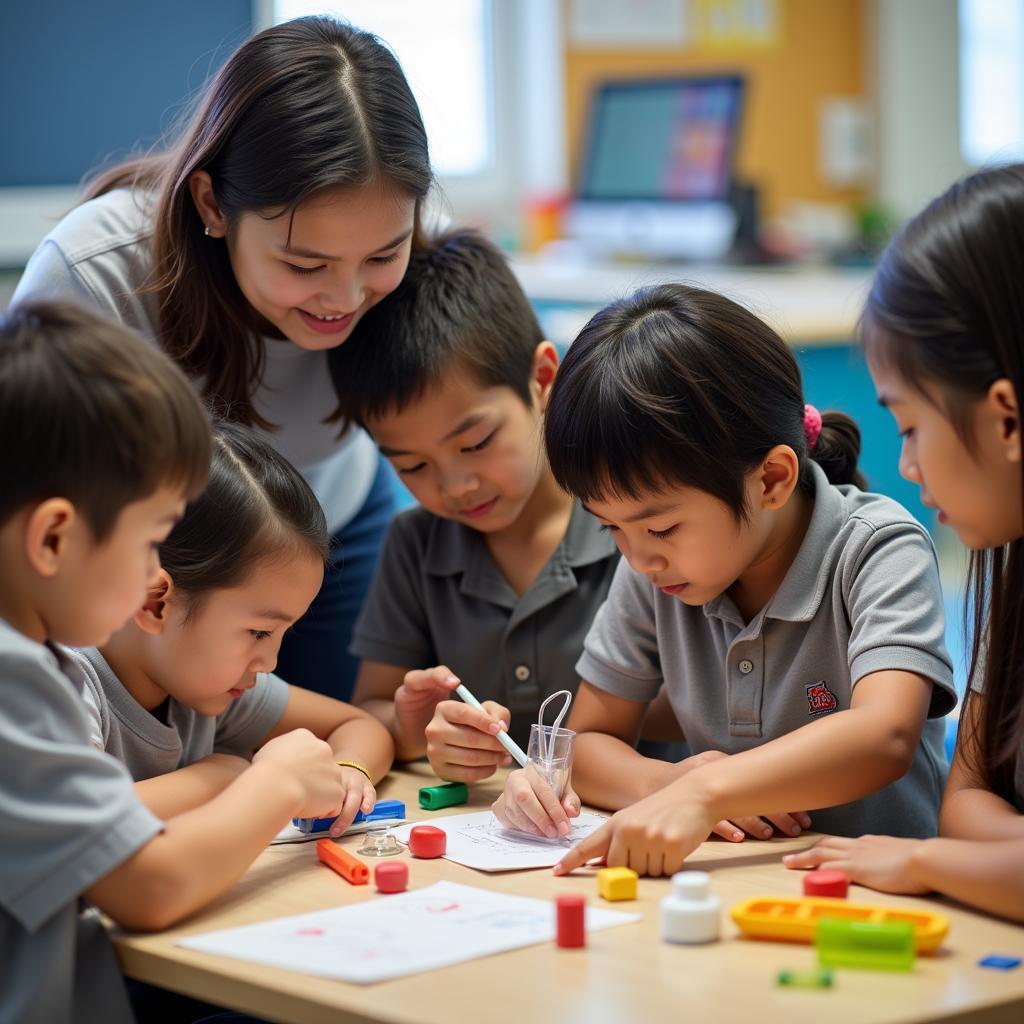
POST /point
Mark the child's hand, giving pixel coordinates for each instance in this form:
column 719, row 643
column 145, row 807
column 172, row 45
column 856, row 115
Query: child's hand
column 760, row 828
column 309, row 762
column 879, row 862
column 358, row 794
column 461, row 744
column 417, row 697
column 529, row 804
column 653, row 836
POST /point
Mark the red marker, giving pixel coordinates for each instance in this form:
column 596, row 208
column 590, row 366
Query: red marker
column 352, row 869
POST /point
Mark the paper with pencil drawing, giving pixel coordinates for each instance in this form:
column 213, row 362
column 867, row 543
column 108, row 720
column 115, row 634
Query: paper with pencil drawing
column 391, row 936
column 479, row 841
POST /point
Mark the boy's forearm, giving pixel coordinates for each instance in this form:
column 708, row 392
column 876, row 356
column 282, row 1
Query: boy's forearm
column 161, row 885
column 189, row 787
column 609, row 773
column 832, row 761
column 976, row 813
column 984, row 874
column 366, row 741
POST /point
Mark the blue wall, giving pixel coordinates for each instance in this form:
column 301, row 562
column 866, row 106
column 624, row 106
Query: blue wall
column 836, row 377
column 84, row 82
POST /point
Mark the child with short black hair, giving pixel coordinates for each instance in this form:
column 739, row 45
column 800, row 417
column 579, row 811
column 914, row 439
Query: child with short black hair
column 499, row 572
column 795, row 620
column 104, row 441
column 185, row 692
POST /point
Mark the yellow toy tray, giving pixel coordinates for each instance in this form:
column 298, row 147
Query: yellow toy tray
column 793, row 919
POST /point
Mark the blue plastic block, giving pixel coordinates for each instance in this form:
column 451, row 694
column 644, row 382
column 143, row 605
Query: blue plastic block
column 1000, row 963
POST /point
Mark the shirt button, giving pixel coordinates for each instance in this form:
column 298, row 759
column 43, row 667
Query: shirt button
column 746, row 666
column 522, row 673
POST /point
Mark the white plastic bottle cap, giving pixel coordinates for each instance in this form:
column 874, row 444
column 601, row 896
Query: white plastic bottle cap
column 690, row 912
column 691, row 885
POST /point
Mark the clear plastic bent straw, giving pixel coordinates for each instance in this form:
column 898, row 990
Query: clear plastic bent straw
column 546, row 750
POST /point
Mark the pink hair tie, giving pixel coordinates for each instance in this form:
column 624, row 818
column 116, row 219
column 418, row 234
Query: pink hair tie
column 812, row 426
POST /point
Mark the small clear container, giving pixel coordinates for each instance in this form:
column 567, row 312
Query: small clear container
column 379, row 842
column 554, row 761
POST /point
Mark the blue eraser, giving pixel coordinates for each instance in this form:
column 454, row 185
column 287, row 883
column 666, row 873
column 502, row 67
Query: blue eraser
column 382, row 809
column 1000, row 963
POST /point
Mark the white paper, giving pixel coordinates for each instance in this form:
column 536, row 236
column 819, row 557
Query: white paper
column 290, row 834
column 392, row 936
column 479, row 841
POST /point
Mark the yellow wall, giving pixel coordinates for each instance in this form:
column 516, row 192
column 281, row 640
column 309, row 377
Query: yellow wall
column 819, row 52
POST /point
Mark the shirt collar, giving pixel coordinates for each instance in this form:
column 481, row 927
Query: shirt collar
column 451, row 545
column 803, row 587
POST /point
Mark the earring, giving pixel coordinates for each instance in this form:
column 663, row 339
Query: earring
column 206, row 231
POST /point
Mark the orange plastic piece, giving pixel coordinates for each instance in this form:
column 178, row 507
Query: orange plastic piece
column 352, row 869
column 790, row 919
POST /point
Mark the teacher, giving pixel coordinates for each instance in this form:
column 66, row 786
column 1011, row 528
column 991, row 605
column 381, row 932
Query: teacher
column 286, row 210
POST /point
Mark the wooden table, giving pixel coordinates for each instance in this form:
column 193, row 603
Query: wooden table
column 626, row 973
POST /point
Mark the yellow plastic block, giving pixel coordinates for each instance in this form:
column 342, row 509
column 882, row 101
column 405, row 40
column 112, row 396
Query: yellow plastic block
column 787, row 919
column 616, row 883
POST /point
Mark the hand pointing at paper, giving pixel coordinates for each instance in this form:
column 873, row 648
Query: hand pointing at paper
column 653, row 836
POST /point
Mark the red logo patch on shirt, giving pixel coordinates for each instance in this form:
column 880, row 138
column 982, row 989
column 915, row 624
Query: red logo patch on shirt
column 820, row 698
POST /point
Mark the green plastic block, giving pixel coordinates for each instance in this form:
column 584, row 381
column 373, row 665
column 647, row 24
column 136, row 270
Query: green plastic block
column 821, row 978
column 433, row 798
column 885, row 946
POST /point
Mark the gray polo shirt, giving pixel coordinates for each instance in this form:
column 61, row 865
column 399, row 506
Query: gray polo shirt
column 122, row 727
column 439, row 598
column 861, row 596
column 69, row 816
column 101, row 254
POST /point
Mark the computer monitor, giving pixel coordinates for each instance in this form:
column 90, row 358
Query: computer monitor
column 658, row 166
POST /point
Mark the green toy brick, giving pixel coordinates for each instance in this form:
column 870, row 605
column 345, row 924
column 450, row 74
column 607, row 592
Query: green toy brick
column 433, row 798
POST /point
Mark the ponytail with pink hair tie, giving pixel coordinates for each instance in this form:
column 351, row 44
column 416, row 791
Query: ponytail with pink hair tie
column 812, row 426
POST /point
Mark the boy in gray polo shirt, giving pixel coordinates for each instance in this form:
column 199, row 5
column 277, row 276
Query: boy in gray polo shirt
column 795, row 621
column 111, row 442
column 498, row 573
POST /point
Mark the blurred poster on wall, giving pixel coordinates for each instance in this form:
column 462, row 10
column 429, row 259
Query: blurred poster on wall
column 735, row 24
column 628, row 24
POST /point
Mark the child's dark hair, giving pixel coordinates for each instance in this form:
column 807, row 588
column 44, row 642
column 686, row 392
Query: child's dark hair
column 301, row 107
column 90, row 412
column 946, row 312
column 256, row 506
column 677, row 386
column 459, row 307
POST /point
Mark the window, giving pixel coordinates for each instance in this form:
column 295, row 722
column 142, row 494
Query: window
column 991, row 81
column 445, row 50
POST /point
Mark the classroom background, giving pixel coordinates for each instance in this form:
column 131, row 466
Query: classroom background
column 765, row 148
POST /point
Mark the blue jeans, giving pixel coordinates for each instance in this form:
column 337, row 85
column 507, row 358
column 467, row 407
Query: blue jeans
column 314, row 653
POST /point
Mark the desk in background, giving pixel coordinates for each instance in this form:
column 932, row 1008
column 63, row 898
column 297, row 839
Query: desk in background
column 626, row 974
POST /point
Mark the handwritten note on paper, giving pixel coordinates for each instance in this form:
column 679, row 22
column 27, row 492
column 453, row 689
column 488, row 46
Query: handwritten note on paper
column 479, row 841
column 415, row 931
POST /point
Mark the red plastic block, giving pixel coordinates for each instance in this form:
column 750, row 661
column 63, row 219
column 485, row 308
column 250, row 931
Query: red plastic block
column 426, row 841
column 570, row 932
column 826, row 883
column 391, row 876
